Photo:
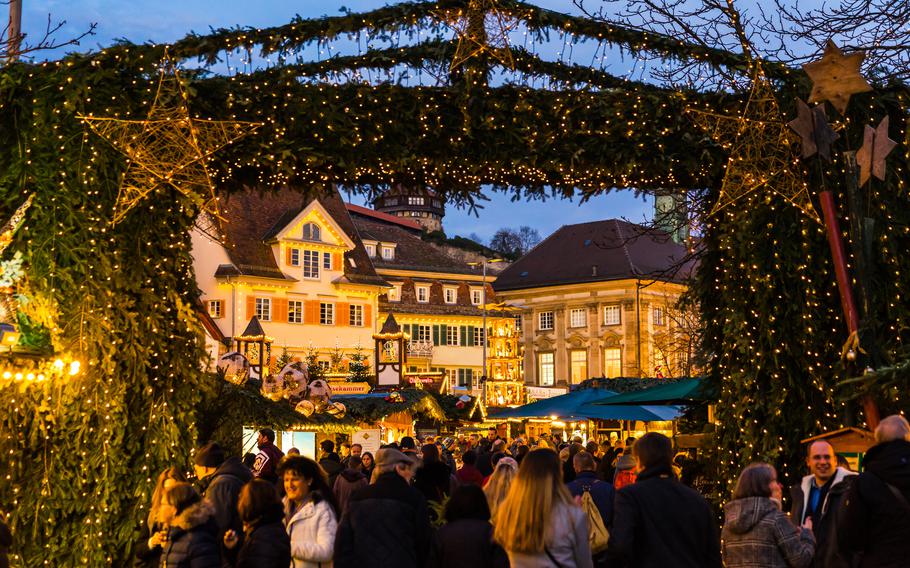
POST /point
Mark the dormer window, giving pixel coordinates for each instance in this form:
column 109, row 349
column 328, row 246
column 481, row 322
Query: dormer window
column 312, row 232
column 371, row 250
column 388, row 253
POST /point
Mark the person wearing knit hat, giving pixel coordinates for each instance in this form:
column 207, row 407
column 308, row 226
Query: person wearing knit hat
column 220, row 480
column 625, row 471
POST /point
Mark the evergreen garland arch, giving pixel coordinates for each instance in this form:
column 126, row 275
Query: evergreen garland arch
column 83, row 452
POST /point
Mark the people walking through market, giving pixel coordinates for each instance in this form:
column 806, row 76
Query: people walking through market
column 873, row 519
column 538, row 523
column 348, row 481
column 466, row 539
column 266, row 464
column 658, row 521
column 387, row 523
column 154, row 533
column 484, row 461
column 264, row 542
column 625, row 471
column 408, row 447
column 498, row 484
column 355, row 451
column 329, row 461
column 756, row 532
column 469, row 474
column 221, row 480
column 311, row 512
column 819, row 496
column 367, row 465
column 192, row 540
column 433, row 478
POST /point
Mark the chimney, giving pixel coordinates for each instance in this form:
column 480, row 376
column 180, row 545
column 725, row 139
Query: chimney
column 594, row 270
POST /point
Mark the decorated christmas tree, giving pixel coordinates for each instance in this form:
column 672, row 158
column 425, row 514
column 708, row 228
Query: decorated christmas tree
column 359, row 367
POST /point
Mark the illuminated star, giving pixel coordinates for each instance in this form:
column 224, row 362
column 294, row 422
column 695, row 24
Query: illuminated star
column 835, row 77
column 168, row 147
column 812, row 127
column 482, row 28
column 871, row 156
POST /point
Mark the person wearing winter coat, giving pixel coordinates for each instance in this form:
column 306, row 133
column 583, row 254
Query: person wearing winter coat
column 467, row 519
column 266, row 463
column 819, row 496
column 265, row 544
column 873, row 518
column 154, row 532
column 433, row 478
column 387, row 523
column 330, row 462
column 756, row 532
column 191, row 540
column 624, row 472
column 659, row 522
column 539, row 523
column 221, row 480
column 349, row 481
column 311, row 512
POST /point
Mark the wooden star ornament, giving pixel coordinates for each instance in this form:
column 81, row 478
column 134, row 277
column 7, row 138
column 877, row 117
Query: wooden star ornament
column 168, row 147
column 814, row 131
column 835, row 77
column 871, row 156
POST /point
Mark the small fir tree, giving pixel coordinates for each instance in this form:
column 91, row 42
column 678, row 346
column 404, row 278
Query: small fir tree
column 359, row 368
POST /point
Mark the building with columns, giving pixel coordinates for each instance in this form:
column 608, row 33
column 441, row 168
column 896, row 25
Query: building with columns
column 600, row 299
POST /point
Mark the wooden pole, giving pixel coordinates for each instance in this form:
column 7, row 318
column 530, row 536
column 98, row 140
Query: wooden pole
column 14, row 30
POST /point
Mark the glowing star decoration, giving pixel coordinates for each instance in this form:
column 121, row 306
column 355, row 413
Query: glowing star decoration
column 168, row 147
column 760, row 150
column 814, row 130
column 871, row 156
column 483, row 28
column 835, row 77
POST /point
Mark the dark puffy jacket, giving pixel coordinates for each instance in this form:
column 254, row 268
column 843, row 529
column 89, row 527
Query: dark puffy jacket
column 466, row 543
column 758, row 533
column 348, row 481
column 387, row 524
column 191, row 540
column 872, row 519
column 433, row 480
column 266, row 464
column 265, row 544
column 658, row 522
column 222, row 490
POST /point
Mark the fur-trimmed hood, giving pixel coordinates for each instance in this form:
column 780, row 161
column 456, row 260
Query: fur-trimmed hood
column 193, row 516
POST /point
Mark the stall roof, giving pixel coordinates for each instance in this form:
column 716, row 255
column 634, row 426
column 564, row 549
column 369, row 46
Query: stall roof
column 684, row 391
column 588, row 404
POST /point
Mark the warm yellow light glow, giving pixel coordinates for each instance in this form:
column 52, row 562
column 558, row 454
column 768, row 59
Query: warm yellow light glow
column 74, row 367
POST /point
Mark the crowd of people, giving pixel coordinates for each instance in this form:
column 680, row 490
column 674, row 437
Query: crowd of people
column 489, row 502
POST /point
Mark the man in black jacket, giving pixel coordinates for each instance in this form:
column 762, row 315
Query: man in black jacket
column 657, row 521
column 873, row 518
column 220, row 481
column 330, row 461
column 387, row 523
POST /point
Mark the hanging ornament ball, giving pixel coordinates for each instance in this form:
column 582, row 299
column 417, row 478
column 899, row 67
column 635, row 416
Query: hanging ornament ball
column 851, row 355
column 459, row 405
column 336, row 410
column 306, row 408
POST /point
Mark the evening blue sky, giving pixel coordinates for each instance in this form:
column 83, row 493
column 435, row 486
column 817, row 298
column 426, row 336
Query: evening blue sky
column 169, row 20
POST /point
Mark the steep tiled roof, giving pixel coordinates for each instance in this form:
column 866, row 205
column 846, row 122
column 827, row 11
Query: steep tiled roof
column 252, row 217
column 596, row 252
column 357, row 209
column 411, row 252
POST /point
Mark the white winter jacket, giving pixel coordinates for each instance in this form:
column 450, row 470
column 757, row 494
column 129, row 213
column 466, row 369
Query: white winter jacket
column 312, row 531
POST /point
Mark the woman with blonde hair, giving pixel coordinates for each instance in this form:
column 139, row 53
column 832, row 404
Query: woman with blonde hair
column 497, row 486
column 538, row 523
column 154, row 534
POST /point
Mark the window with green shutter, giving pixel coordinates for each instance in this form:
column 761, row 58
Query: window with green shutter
column 436, row 335
column 443, row 333
column 463, row 336
column 470, row 336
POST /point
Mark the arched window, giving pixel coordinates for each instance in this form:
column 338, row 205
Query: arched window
column 311, row 232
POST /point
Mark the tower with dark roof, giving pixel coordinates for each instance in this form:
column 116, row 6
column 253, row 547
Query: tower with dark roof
column 420, row 204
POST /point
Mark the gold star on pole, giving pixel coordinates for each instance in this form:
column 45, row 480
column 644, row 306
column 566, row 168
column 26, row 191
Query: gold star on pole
column 168, row 147
column 871, row 156
column 835, row 77
column 761, row 154
column 482, row 29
